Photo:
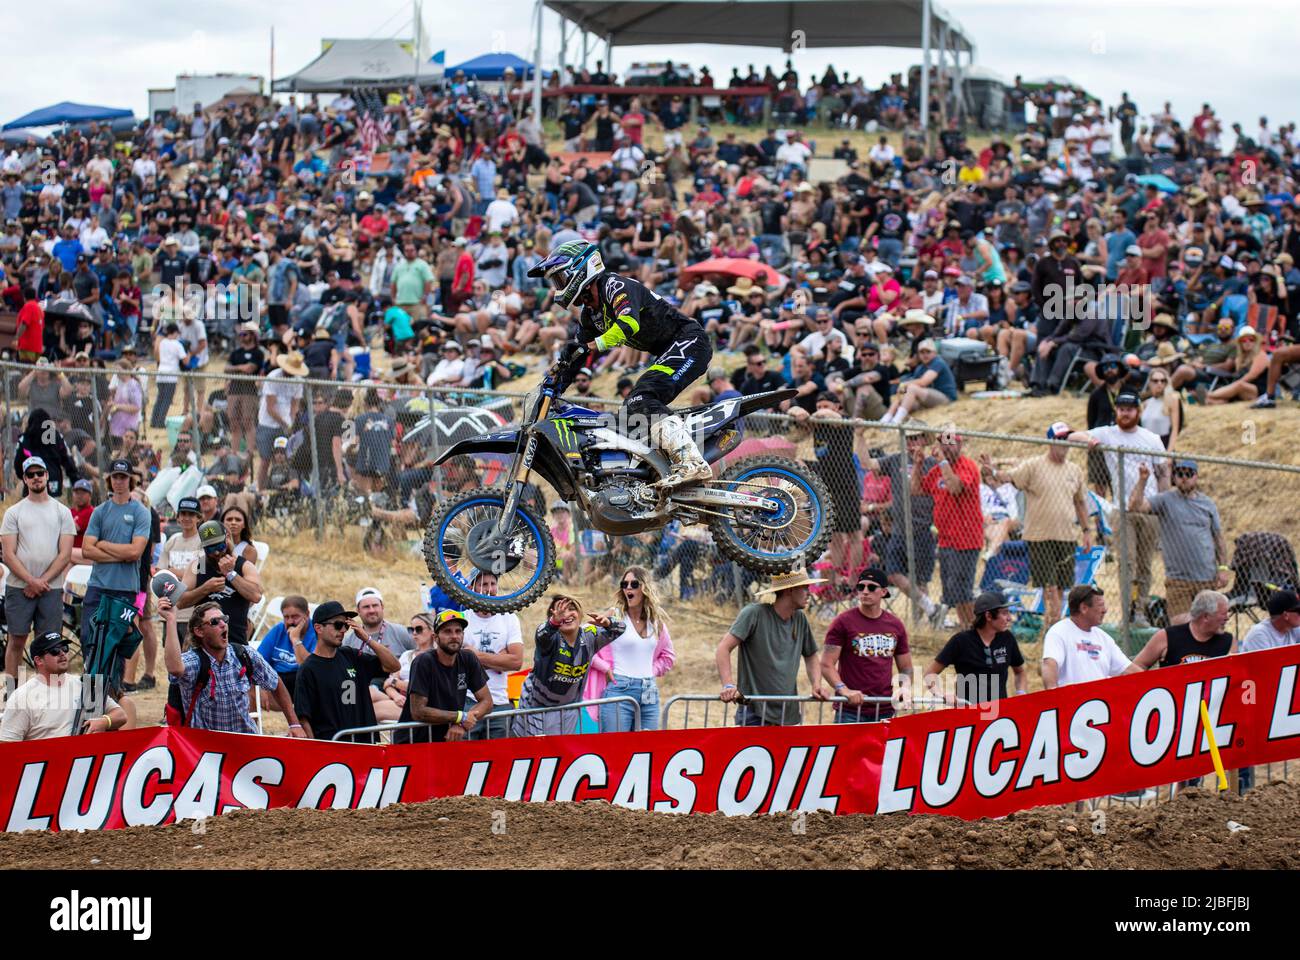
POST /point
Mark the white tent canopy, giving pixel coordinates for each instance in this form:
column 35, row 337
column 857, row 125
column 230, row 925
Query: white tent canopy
column 762, row 23
column 348, row 64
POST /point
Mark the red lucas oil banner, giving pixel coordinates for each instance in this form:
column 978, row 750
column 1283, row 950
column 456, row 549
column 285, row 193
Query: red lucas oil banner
column 1046, row 748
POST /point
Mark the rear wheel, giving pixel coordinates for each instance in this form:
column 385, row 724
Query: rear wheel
column 773, row 541
column 459, row 545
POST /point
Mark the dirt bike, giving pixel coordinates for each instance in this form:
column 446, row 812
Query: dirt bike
column 765, row 512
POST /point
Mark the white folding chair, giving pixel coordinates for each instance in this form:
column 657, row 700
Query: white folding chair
column 268, row 610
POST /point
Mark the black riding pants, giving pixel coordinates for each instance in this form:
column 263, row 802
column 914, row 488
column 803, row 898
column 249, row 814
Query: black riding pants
column 677, row 367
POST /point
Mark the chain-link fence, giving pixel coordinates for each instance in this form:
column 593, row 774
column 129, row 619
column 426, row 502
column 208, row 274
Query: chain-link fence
column 946, row 514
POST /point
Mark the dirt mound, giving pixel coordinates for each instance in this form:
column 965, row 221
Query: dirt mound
column 1189, row 833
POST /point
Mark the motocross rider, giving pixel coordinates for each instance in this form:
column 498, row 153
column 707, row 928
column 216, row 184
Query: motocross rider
column 617, row 310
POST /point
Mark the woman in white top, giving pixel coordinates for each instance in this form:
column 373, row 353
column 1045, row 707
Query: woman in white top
column 421, row 631
column 628, row 666
column 170, row 353
column 1162, row 410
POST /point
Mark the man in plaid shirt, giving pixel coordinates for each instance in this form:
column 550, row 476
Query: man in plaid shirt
column 223, row 704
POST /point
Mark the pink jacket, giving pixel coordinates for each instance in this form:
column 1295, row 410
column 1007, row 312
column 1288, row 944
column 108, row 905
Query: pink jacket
column 664, row 658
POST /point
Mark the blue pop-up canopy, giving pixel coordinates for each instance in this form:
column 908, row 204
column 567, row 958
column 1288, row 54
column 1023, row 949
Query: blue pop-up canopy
column 66, row 112
column 492, row 66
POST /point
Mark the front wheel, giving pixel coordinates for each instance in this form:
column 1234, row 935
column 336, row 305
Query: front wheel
column 458, row 546
column 774, row 541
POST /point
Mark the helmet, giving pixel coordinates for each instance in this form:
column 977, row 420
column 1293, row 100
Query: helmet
column 569, row 269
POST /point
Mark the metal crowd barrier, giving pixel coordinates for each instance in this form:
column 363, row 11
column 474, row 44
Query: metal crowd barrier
column 872, row 705
column 492, row 720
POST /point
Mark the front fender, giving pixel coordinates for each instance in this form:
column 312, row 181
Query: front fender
column 503, row 442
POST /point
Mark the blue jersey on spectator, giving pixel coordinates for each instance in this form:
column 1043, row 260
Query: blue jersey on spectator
column 277, row 649
column 118, row 523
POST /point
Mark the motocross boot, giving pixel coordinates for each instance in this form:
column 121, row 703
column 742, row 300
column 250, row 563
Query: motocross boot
column 670, row 435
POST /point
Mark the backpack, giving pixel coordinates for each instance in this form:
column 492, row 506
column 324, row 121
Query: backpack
column 176, row 714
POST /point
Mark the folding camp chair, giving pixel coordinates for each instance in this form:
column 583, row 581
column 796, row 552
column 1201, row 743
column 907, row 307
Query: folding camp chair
column 1027, row 599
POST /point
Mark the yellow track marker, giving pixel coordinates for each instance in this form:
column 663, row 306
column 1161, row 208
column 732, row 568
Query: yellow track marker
column 1214, row 747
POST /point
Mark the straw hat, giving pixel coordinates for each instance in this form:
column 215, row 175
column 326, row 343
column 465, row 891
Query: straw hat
column 743, row 287
column 399, row 369
column 918, row 316
column 1166, row 355
column 797, row 577
column 292, row 364
column 1165, row 320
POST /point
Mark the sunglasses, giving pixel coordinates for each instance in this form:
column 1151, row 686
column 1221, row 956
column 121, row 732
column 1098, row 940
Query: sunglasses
column 58, row 651
column 869, row 587
column 216, row 620
column 34, row 473
column 339, row 624
column 632, row 585
column 1184, row 473
column 417, row 629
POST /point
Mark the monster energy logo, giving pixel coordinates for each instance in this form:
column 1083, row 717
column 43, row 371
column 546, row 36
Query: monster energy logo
column 564, row 430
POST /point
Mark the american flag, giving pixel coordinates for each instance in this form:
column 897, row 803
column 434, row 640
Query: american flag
column 371, row 134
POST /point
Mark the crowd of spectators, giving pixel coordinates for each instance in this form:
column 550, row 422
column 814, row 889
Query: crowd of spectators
column 316, row 231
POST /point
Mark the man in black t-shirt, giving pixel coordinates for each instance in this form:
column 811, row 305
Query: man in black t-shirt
column 982, row 654
column 332, row 692
column 248, row 360
column 440, row 679
column 758, row 378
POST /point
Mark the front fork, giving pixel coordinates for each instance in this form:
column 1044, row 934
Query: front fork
column 521, row 470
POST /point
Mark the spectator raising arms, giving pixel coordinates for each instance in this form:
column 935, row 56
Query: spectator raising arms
column 221, row 703
column 629, row 666
column 563, row 650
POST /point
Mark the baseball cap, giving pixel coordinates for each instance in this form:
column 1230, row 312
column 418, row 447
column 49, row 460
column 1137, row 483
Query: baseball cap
column 165, row 584
column 211, row 534
column 1082, row 593
column 1059, row 430
column 34, row 462
column 369, row 593
column 207, row 490
column 281, row 443
column 449, row 616
column 875, row 575
column 329, row 610
column 1133, row 250
column 965, row 281
column 121, row 466
column 84, row 485
column 1283, row 601
column 46, row 642
column 1128, row 399
column 990, row 601
column 1186, row 465
column 187, row 505
column 931, row 275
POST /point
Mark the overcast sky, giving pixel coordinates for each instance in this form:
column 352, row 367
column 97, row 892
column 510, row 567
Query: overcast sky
column 1239, row 56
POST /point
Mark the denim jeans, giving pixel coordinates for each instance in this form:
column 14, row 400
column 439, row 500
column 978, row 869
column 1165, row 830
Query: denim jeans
column 889, row 250
column 619, row 717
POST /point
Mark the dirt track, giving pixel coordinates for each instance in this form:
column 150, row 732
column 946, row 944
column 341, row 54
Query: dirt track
column 1190, row 833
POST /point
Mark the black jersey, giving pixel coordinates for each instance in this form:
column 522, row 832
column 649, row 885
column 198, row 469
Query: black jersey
column 630, row 313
